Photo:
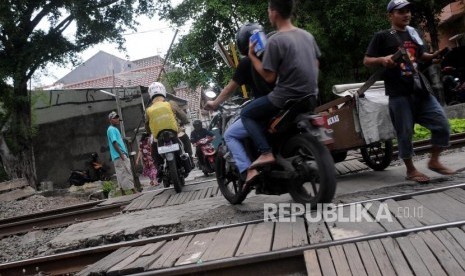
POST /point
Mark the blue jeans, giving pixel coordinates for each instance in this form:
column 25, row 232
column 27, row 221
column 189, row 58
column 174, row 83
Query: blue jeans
column 405, row 111
column 233, row 136
column 255, row 117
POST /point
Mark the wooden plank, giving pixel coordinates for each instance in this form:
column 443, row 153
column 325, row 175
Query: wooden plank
column 214, row 191
column 160, row 200
column 382, row 258
column 406, row 222
column 257, row 239
column 342, row 230
column 182, row 197
column 196, row 248
column 97, row 267
column 202, row 193
column 415, row 209
column 353, row 258
column 106, row 263
column 147, row 199
column 225, row 244
column 172, row 199
column 395, row 255
column 169, row 257
column 339, row 260
column 318, row 232
column 445, row 258
column 459, row 235
column 198, row 194
column 209, row 192
column 413, row 258
column 327, row 267
column 368, row 259
column 452, row 245
column 119, row 199
column 311, row 263
column 143, row 263
column 377, row 209
column 444, row 205
column 289, row 235
column 13, row 184
column 341, row 169
column 426, row 255
column 17, row 194
column 154, row 247
column 116, row 269
column 190, row 196
column 457, row 194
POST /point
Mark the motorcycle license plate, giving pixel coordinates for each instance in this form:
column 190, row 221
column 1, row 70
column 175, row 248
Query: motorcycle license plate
column 170, row 148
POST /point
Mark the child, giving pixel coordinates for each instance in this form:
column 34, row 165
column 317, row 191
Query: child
column 145, row 152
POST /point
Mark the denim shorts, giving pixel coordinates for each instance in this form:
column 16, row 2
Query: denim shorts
column 405, row 111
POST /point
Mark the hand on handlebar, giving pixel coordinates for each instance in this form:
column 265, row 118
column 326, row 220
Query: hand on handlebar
column 211, row 105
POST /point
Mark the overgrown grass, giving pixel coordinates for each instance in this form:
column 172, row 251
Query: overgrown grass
column 456, row 126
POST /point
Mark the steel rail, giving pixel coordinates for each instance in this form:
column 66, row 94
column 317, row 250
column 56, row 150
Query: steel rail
column 422, row 146
column 236, row 263
column 91, row 255
column 47, row 213
column 60, row 219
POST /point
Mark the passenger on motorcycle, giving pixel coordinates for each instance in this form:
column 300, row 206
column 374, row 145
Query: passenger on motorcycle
column 198, row 133
column 244, row 74
column 162, row 115
column 291, row 61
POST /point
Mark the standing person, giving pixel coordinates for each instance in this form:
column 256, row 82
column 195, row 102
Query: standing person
column 145, row 154
column 244, row 74
column 291, row 61
column 406, row 107
column 119, row 155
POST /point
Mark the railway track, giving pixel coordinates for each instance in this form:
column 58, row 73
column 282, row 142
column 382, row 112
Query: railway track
column 424, row 146
column 266, row 247
column 77, row 213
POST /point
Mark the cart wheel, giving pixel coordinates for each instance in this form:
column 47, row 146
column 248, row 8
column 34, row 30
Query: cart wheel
column 339, row 156
column 378, row 156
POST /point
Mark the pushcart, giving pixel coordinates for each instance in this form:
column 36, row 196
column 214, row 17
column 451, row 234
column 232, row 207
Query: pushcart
column 360, row 119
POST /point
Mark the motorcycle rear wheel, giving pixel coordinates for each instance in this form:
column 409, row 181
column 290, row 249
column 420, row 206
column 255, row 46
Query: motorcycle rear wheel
column 230, row 183
column 317, row 168
column 177, row 181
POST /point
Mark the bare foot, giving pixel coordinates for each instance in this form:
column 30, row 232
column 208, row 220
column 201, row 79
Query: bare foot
column 439, row 168
column 263, row 160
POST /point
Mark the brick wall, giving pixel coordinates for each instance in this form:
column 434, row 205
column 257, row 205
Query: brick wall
column 192, row 96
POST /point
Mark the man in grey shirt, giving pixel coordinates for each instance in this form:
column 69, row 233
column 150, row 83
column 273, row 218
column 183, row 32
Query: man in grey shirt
column 290, row 61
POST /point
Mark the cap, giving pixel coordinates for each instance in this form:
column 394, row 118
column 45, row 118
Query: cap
column 113, row 115
column 397, row 4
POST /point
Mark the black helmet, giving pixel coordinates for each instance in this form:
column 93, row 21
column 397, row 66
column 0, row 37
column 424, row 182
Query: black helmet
column 197, row 124
column 243, row 36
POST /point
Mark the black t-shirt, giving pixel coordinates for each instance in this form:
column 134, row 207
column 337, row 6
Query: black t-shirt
column 245, row 74
column 397, row 80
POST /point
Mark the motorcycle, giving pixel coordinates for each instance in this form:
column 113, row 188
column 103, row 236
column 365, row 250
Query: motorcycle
column 454, row 85
column 208, row 155
column 177, row 164
column 304, row 167
column 95, row 171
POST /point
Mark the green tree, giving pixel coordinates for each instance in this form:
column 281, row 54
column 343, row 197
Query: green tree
column 212, row 20
column 32, row 35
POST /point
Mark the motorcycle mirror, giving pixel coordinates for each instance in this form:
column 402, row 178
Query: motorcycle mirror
column 210, row 94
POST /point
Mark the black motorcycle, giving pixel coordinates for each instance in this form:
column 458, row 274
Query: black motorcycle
column 304, row 167
column 177, row 164
column 94, row 171
column 453, row 75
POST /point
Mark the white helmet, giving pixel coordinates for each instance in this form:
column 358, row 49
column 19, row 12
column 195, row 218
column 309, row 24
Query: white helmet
column 157, row 89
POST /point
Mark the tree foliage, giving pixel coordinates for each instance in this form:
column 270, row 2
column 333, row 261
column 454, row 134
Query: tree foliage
column 33, row 33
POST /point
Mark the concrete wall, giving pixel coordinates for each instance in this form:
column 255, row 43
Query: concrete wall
column 72, row 124
column 455, row 111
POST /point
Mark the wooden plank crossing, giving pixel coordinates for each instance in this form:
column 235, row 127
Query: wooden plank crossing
column 350, row 166
column 441, row 252
column 425, row 253
column 159, row 198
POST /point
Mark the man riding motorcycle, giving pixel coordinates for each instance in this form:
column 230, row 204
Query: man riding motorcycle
column 198, row 133
column 162, row 115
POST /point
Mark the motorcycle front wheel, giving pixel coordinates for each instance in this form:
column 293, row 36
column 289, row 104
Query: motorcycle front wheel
column 177, row 181
column 229, row 181
column 314, row 164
